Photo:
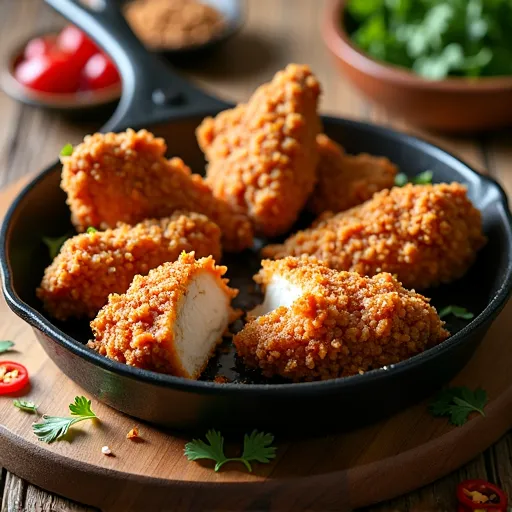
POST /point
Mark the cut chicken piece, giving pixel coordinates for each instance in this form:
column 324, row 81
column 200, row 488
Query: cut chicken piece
column 317, row 323
column 262, row 155
column 169, row 321
column 426, row 235
column 125, row 177
column 347, row 180
column 90, row 266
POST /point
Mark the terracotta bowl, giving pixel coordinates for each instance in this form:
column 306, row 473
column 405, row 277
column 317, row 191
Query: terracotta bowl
column 453, row 105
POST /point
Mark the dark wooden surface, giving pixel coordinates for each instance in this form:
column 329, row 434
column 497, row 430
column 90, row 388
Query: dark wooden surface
column 277, row 32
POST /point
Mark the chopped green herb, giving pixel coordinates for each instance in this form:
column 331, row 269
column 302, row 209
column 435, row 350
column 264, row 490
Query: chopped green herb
column 54, row 244
column 435, row 38
column 25, row 406
column 67, row 150
column 257, row 447
column 401, row 179
column 54, row 427
column 90, row 229
column 458, row 403
column 456, row 311
column 6, row 345
column 423, row 178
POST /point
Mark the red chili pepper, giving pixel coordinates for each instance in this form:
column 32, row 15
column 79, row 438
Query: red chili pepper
column 469, row 492
column 13, row 377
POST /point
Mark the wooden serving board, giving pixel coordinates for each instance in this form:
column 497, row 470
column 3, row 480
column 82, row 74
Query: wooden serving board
column 338, row 472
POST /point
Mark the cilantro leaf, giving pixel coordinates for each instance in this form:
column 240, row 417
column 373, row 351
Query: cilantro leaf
column 256, row 447
column 54, row 244
column 67, row 150
column 458, row 403
column 423, row 178
column 55, row 427
column 24, row 405
column 90, row 229
column 401, row 179
column 456, row 311
column 6, row 345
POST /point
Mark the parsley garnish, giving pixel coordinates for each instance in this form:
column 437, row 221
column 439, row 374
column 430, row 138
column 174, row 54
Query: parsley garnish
column 54, row 427
column 90, row 229
column 25, row 406
column 423, row 178
column 256, row 448
column 67, row 150
column 456, row 311
column 54, row 244
column 458, row 403
column 6, row 345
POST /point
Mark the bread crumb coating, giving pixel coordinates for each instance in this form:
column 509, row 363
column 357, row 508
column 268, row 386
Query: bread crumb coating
column 343, row 324
column 137, row 327
column 262, row 155
column 347, row 180
column 426, row 235
column 90, row 266
column 125, row 177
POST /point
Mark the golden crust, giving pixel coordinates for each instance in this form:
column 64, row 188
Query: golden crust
column 344, row 324
column 136, row 328
column 426, row 235
column 346, row 180
column 125, row 177
column 262, row 155
column 92, row 265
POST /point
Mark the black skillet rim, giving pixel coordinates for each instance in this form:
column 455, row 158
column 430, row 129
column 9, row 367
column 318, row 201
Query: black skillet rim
column 38, row 321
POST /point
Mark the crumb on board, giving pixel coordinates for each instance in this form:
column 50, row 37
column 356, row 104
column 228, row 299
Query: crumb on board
column 106, row 450
column 133, row 434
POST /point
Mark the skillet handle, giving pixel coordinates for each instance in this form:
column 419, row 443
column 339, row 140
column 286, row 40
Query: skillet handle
column 153, row 91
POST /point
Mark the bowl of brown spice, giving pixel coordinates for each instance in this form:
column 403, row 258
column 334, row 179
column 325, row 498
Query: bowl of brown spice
column 183, row 27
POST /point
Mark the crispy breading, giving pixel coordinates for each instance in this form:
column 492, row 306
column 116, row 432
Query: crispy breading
column 262, row 155
column 90, row 266
column 138, row 327
column 426, row 235
column 125, row 177
column 347, row 180
column 342, row 324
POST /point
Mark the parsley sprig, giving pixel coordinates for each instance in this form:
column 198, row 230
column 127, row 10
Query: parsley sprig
column 257, row 447
column 6, row 345
column 54, row 427
column 456, row 311
column 423, row 178
column 24, row 405
column 458, row 403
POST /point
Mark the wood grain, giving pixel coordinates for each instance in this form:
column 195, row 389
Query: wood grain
column 277, row 32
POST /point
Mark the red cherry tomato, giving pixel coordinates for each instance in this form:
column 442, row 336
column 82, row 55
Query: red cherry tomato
column 99, row 72
column 39, row 46
column 49, row 73
column 13, row 377
column 73, row 41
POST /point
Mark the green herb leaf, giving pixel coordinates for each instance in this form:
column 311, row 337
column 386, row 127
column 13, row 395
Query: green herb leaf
column 256, row 447
column 458, row 403
column 24, row 405
column 90, row 229
column 401, row 179
column 6, row 345
column 54, row 427
column 424, row 178
column 67, row 150
column 457, row 311
column 54, row 244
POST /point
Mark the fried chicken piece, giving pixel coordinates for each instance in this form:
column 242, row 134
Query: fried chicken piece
column 90, row 266
column 169, row 321
column 347, row 180
column 424, row 234
column 125, row 177
column 317, row 323
column 262, row 155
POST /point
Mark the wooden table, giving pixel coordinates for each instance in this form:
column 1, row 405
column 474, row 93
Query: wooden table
column 277, row 32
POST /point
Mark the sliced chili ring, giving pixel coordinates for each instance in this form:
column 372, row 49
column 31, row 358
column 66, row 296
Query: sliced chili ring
column 469, row 489
column 13, row 377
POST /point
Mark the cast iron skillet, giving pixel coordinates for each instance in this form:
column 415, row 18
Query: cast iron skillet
column 154, row 96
